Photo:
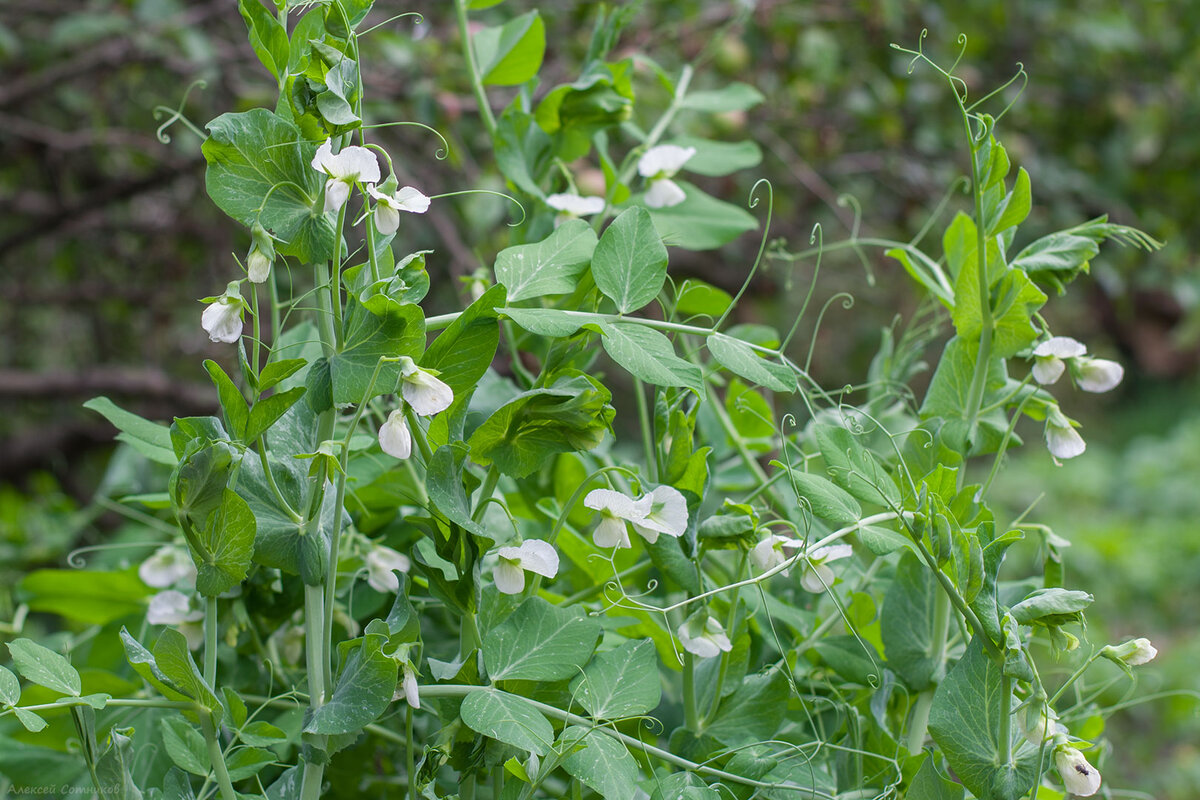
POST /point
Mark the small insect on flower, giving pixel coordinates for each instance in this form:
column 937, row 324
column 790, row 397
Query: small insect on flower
column 1078, row 776
column 533, row 555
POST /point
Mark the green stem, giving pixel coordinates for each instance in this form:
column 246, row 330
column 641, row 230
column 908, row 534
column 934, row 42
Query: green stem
column 646, row 423
column 335, row 285
column 729, row 623
column 266, row 467
column 325, row 311
column 1074, row 677
column 691, row 715
column 210, row 642
column 331, row 572
column 371, row 254
column 960, row 604
column 919, row 725
column 257, row 342
column 409, row 754
column 490, row 480
column 979, row 377
column 1006, row 724
column 485, row 110
column 941, row 629
column 276, row 322
column 314, row 775
column 316, row 662
column 418, row 434
column 217, row 758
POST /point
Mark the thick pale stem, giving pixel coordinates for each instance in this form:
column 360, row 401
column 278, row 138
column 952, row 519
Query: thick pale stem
column 220, row 772
column 210, row 642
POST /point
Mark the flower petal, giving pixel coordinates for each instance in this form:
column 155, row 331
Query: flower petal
column 336, row 193
column 394, row 438
column 816, row 578
column 1098, row 374
column 539, row 556
column 616, row 504
column 381, row 565
column 1064, row 441
column 387, row 219
column 611, row 532
column 426, row 393
column 1060, row 347
column 664, row 193
column 1078, row 776
column 411, row 200
column 576, row 205
column 668, row 512
column 222, row 321
column 666, row 159
column 1047, row 370
column 508, row 575
column 323, row 155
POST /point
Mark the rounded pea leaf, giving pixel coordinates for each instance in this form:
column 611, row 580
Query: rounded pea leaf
column 10, row 688
column 622, row 682
column 630, row 261
column 507, row 718
column 44, row 667
column 540, row 642
column 600, row 761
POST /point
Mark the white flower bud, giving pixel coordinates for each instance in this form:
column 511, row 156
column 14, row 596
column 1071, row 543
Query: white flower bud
column 426, row 393
column 1097, row 374
column 394, row 437
column 381, row 565
column 1133, row 653
column 258, row 266
column 171, row 608
column 572, row 206
column 701, row 635
column 664, row 193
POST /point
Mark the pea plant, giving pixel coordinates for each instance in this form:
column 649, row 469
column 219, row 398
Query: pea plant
column 583, row 537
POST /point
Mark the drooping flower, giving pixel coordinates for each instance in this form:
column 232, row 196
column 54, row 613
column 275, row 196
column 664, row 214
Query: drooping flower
column 701, row 635
column 1062, row 440
column 658, row 165
column 388, row 206
column 261, row 255
column 1038, row 722
column 166, row 567
column 381, row 565
column 394, row 437
column 1133, row 653
column 773, row 551
column 222, row 320
column 352, row 165
column 1078, row 776
column 616, row 510
column 408, row 685
column 817, row 575
column 1048, row 365
column 668, row 515
column 534, row 555
column 422, row 389
column 172, row 608
column 573, row 206
column 1097, row 374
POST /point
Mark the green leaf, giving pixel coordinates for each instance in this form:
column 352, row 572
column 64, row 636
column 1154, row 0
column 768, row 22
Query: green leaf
column 512, row 53
column 719, row 158
column 149, row 438
column 854, row 468
column 143, row 663
column 928, row 784
column 185, row 745
column 540, row 642
column 701, row 222
column 1058, row 252
column 551, row 266
column 444, row 484
column 32, row 722
column 753, row 712
column 688, row 786
column 90, row 597
column 174, row 660
column 364, row 689
column 44, row 667
column 554, row 322
column 266, row 411
column 278, row 371
column 10, row 688
column 261, row 734
column 114, row 768
column 740, row 359
column 380, row 327
column 854, row 659
column 247, row 762
column 1050, row 602
column 464, row 351
column 734, row 97
column 630, row 262
column 228, row 538
column 571, row 413
column 949, row 391
column 907, row 623
column 1014, row 208
column 622, row 682
column 699, row 298
column 966, row 720
column 603, row 763
column 257, row 159
column 507, row 718
column 267, row 36
column 237, row 412
column 649, row 355
column 826, row 499
column 1014, row 299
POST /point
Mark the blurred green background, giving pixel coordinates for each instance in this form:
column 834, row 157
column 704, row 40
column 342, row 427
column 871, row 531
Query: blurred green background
column 107, row 240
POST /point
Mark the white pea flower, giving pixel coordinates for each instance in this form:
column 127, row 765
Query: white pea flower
column 1038, row 722
column 573, row 206
column 222, row 320
column 261, row 255
column 1062, row 440
column 1078, row 776
column 668, row 515
column 616, row 510
column 534, row 555
column 389, row 206
column 174, row 608
column 773, row 551
column 703, row 636
column 423, row 390
column 410, row 689
column 658, row 165
column 1048, row 358
column 168, row 566
column 394, row 437
column 817, row 575
column 1133, row 653
column 1097, row 374
column 381, row 563
column 352, row 165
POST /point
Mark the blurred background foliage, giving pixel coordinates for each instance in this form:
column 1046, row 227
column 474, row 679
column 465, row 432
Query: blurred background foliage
column 107, row 240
